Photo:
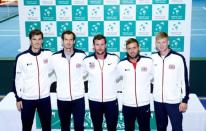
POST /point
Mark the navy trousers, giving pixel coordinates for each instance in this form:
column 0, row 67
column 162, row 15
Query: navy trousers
column 162, row 111
column 141, row 114
column 43, row 107
column 76, row 108
column 109, row 109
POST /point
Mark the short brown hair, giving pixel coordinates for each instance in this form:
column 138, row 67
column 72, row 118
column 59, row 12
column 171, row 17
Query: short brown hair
column 132, row 40
column 99, row 37
column 161, row 35
column 35, row 32
column 68, row 32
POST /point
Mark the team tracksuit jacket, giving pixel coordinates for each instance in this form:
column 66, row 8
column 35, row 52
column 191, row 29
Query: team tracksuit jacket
column 102, row 79
column 70, row 84
column 31, row 75
column 136, row 82
column 170, row 78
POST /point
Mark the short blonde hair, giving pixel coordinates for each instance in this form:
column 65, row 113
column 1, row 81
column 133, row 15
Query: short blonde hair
column 161, row 35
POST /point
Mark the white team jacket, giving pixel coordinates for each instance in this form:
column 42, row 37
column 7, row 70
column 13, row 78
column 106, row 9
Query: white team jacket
column 102, row 85
column 31, row 75
column 170, row 78
column 136, row 83
column 70, row 84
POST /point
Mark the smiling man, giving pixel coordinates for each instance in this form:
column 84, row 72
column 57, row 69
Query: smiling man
column 171, row 86
column 136, row 71
column 101, row 68
column 32, row 83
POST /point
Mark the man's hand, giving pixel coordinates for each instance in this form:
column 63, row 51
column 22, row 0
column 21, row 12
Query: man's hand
column 19, row 105
column 183, row 107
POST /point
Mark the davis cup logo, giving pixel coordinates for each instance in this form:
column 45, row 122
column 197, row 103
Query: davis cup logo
column 47, row 11
column 113, row 44
column 111, row 12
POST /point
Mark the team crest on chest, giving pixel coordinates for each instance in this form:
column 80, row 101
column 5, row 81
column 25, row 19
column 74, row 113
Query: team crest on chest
column 171, row 66
column 45, row 61
column 91, row 65
column 143, row 69
column 78, row 65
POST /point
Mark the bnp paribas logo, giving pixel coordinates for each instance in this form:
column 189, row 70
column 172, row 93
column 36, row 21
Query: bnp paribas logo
column 160, row 12
column 63, row 2
column 80, row 28
column 48, row 28
column 31, row 26
column 64, row 13
column 160, row 1
column 48, row 13
column 127, row 1
column 79, row 13
column 127, row 12
column 145, row 44
column 32, row 13
column 111, row 28
column 111, row 12
column 95, row 13
column 177, row 43
column 176, row 11
column 127, row 28
column 144, row 12
column 31, row 2
column 62, row 26
column 113, row 44
column 95, row 28
column 82, row 43
column 50, row 43
column 143, row 28
column 176, row 28
column 158, row 26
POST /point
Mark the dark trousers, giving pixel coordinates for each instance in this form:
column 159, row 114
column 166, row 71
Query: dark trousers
column 77, row 109
column 43, row 107
column 109, row 109
column 142, row 114
column 162, row 111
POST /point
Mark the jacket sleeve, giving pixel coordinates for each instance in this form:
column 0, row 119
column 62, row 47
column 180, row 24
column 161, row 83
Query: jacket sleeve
column 18, row 80
column 184, row 81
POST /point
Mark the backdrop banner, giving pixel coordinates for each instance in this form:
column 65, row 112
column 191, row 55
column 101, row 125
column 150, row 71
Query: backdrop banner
column 118, row 20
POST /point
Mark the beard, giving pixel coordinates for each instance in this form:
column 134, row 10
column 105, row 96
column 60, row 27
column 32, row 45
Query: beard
column 133, row 57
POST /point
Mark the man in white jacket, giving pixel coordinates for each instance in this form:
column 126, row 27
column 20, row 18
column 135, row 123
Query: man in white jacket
column 32, row 83
column 136, row 71
column 171, row 86
column 67, row 65
column 102, row 94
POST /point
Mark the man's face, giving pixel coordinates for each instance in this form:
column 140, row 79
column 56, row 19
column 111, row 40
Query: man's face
column 132, row 50
column 100, row 46
column 68, row 41
column 36, row 42
column 162, row 44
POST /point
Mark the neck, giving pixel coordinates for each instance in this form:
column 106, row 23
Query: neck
column 165, row 52
column 100, row 56
column 69, row 51
column 35, row 50
column 133, row 60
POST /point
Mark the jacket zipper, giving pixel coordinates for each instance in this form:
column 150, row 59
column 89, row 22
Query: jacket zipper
column 102, row 77
column 135, row 88
column 70, row 90
column 38, row 76
column 163, row 80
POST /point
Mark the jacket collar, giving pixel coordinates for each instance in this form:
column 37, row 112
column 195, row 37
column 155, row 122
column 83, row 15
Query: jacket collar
column 34, row 53
column 95, row 56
